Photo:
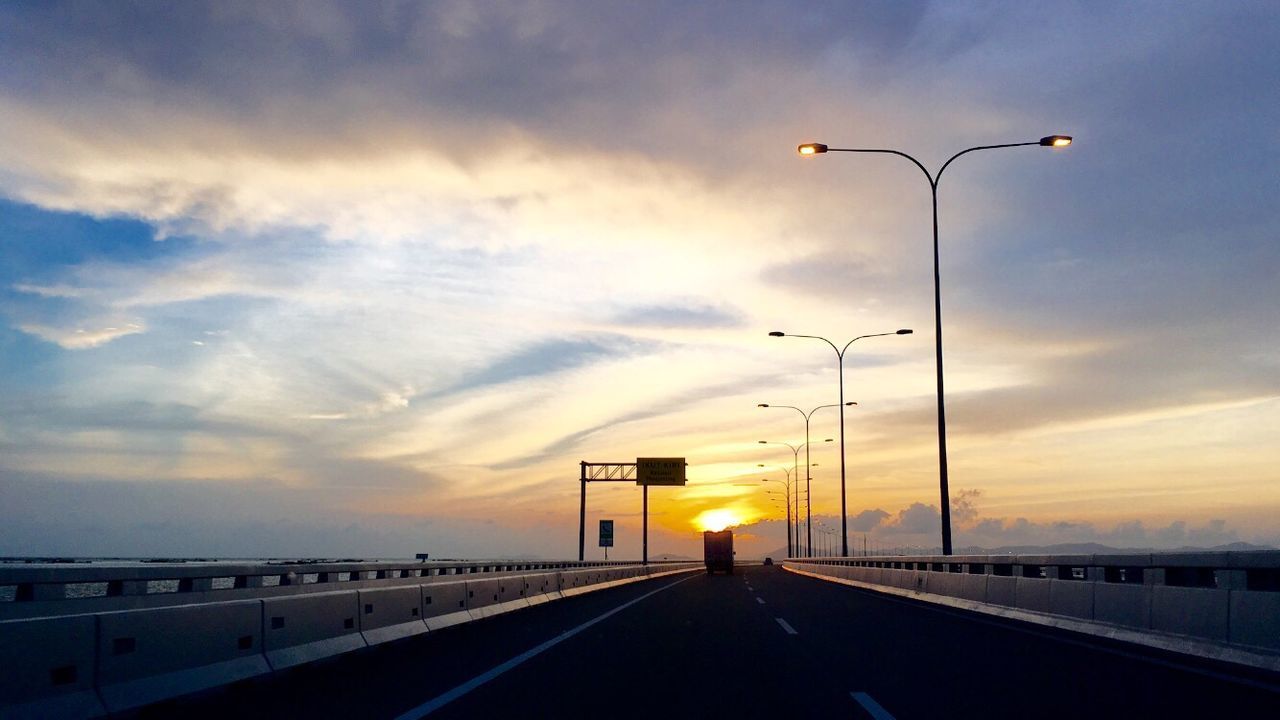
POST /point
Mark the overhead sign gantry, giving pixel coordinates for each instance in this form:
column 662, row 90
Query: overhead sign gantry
column 644, row 471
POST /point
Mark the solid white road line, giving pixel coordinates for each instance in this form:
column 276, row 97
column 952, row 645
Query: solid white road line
column 871, row 706
column 786, row 626
column 759, row 599
column 431, row 706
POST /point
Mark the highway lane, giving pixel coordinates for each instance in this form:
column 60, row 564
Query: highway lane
column 754, row 644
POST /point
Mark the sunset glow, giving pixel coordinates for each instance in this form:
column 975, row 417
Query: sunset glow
column 717, row 520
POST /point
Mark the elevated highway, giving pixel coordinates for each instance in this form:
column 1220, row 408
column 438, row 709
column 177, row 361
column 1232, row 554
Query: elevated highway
column 765, row 642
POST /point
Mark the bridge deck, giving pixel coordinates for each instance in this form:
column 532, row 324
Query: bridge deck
column 749, row 645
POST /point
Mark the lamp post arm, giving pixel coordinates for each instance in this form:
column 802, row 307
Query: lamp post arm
column 938, row 177
column 811, row 412
column 899, row 153
column 846, row 345
column 818, row 337
column 793, row 407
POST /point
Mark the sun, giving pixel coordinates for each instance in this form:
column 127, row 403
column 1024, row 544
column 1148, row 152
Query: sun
column 717, row 520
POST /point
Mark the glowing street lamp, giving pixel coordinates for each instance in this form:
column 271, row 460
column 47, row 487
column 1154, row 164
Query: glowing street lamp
column 1050, row 141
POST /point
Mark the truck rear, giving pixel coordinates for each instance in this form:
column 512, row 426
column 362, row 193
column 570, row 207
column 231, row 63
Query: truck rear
column 717, row 550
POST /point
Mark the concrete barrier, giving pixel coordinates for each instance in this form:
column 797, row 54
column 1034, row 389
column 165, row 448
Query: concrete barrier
column 444, row 604
column 1199, row 612
column 1002, row 590
column 304, row 628
column 512, row 593
column 973, row 587
column 388, row 614
column 483, row 599
column 1220, row 605
column 1073, row 598
column 1122, row 604
column 576, row 582
column 47, row 668
column 119, row 660
column 943, row 583
column 145, row 656
column 542, row 587
column 1255, row 619
column 1031, row 594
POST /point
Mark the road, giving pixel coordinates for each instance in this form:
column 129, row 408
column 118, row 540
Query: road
column 761, row 643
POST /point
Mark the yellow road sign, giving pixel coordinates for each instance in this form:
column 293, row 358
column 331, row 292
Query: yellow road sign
column 660, row 471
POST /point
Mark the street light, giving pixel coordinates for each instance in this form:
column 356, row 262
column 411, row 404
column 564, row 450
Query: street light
column 787, row 495
column 791, row 546
column 844, row 513
column 1051, row 141
column 795, row 463
column 808, row 476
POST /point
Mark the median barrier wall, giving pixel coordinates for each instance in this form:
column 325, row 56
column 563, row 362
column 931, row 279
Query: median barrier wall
column 1194, row 611
column 144, row 656
column 942, row 583
column 1122, row 604
column 301, row 629
column 542, row 587
column 47, row 666
column 444, row 604
column 1228, row 599
column 483, row 598
column 388, row 614
column 1002, row 590
column 34, row 589
column 1031, row 594
column 1255, row 618
column 84, row 665
column 973, row 587
column 1073, row 598
column 576, row 582
column 514, row 590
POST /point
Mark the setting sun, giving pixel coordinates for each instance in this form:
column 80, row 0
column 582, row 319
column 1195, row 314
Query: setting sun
column 717, row 520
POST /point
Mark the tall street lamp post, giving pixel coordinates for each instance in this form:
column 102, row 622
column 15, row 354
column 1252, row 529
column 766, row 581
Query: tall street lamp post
column 844, row 513
column 787, row 485
column 1050, row 141
column 795, row 464
column 808, row 475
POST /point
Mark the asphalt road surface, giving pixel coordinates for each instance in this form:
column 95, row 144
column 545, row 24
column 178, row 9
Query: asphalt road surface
column 761, row 643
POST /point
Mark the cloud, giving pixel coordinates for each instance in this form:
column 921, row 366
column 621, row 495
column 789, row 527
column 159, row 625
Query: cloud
column 679, row 316
column 919, row 525
column 446, row 236
column 867, row 520
column 917, row 519
column 545, row 357
column 82, row 338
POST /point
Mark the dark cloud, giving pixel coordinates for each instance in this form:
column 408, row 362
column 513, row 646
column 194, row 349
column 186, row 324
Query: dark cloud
column 867, row 520
column 477, row 67
column 680, row 316
column 920, row 524
column 548, row 357
column 916, row 519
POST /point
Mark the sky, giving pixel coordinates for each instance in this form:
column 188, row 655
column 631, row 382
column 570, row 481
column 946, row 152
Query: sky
column 371, row 279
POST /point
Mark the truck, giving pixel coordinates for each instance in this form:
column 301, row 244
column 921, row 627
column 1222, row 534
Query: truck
column 717, row 550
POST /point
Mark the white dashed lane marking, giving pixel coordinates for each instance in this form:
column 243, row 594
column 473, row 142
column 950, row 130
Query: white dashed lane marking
column 787, row 626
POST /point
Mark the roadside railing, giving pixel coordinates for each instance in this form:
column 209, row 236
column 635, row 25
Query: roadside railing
column 38, row 590
column 88, row 659
column 1230, row 598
